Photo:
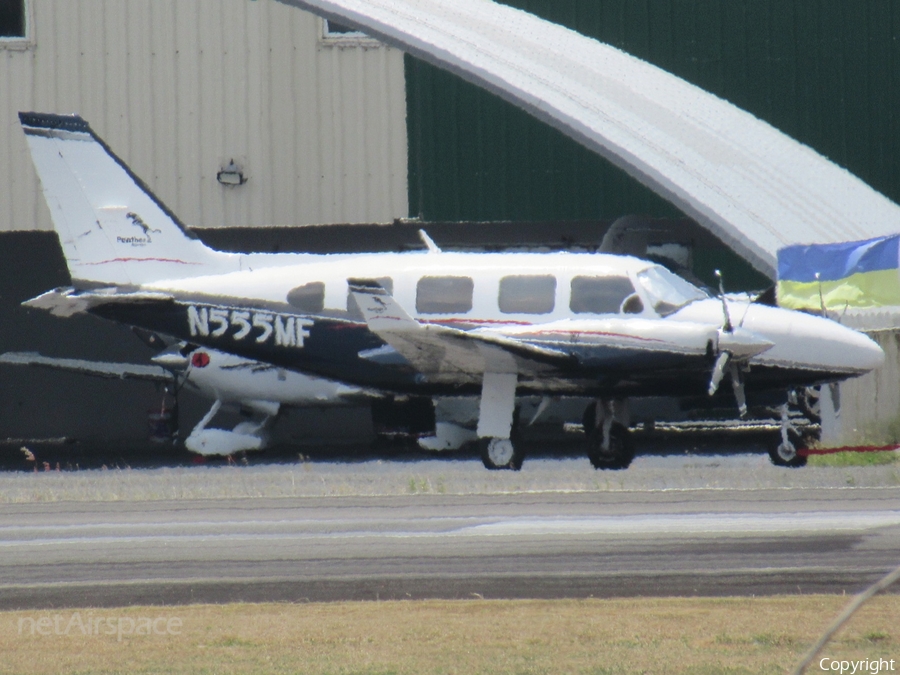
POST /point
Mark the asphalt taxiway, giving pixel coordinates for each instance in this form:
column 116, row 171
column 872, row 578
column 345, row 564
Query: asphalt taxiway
column 707, row 542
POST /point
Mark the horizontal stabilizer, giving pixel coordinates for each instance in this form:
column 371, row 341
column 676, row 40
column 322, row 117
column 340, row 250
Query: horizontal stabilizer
column 65, row 302
column 107, row 369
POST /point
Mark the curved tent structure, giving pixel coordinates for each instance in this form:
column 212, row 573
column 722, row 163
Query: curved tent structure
column 754, row 187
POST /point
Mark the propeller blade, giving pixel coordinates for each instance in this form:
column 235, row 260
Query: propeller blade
column 737, row 385
column 727, row 326
column 718, row 372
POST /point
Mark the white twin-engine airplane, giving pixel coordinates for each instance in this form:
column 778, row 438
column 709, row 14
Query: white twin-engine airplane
column 491, row 325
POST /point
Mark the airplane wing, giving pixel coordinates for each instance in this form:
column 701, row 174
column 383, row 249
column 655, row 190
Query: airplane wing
column 111, row 370
column 439, row 350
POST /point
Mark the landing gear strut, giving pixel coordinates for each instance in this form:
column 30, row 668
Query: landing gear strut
column 248, row 435
column 609, row 444
column 498, row 437
column 784, row 451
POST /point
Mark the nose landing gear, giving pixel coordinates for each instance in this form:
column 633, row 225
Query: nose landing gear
column 784, row 452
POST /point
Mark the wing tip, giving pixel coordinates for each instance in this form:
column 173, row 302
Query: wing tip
column 366, row 286
column 52, row 121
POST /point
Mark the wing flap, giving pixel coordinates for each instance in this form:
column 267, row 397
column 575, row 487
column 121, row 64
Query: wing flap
column 436, row 350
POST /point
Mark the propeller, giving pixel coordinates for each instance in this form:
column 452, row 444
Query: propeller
column 165, row 345
column 735, row 346
column 177, row 360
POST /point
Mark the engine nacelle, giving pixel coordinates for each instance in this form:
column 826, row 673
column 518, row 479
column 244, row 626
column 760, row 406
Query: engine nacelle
column 448, row 437
column 222, row 442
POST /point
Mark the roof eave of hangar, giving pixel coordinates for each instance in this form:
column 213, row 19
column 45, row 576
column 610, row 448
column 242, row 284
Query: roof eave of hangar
column 754, row 187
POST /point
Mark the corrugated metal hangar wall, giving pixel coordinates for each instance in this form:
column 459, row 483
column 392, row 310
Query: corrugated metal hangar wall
column 179, row 89
column 825, row 73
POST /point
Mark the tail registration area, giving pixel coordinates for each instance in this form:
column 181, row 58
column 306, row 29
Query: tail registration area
column 237, row 325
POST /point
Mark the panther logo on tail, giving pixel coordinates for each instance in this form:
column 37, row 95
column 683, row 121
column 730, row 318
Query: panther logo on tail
column 137, row 220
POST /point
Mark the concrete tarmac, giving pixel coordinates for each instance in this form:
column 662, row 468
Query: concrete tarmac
column 711, row 542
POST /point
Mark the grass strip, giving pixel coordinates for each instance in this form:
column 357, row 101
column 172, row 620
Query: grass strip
column 593, row 637
column 854, row 458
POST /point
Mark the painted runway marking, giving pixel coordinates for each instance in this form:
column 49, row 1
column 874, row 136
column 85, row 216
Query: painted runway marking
column 657, row 525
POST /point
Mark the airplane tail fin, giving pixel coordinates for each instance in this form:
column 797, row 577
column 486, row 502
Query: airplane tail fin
column 113, row 230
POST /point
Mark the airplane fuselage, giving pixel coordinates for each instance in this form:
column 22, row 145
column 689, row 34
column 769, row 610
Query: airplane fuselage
column 605, row 311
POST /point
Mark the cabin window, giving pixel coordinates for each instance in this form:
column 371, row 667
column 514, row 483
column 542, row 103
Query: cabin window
column 527, row 294
column 12, row 19
column 308, row 298
column 633, row 305
column 444, row 295
column 600, row 295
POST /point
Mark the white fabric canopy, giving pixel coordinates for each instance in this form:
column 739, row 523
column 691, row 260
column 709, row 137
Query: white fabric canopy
column 754, row 187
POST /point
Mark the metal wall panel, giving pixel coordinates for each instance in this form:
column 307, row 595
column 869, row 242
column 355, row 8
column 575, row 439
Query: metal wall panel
column 178, row 89
column 826, row 73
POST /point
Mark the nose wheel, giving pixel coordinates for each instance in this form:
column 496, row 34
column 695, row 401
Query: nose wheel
column 785, row 454
column 785, row 451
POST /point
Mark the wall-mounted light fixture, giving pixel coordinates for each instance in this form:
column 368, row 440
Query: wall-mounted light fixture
column 231, row 175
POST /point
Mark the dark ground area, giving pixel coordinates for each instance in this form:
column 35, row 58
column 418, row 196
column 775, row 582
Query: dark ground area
column 73, row 454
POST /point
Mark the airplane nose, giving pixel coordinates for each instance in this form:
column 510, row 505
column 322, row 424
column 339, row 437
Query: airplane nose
column 799, row 340
column 814, row 342
column 865, row 351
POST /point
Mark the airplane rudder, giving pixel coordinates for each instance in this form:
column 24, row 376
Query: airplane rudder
column 112, row 227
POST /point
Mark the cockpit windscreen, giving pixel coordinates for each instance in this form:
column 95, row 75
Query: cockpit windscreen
column 667, row 292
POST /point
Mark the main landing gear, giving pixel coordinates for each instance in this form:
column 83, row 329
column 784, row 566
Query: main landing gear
column 609, row 444
column 501, row 453
column 498, row 437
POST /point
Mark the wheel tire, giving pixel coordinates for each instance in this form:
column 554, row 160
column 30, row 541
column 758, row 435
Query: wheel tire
column 494, row 461
column 620, row 452
column 778, row 458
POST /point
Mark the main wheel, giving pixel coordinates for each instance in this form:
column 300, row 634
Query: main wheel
column 620, row 452
column 787, row 455
column 501, row 453
column 809, row 400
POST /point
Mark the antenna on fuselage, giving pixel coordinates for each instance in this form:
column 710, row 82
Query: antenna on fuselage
column 429, row 242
